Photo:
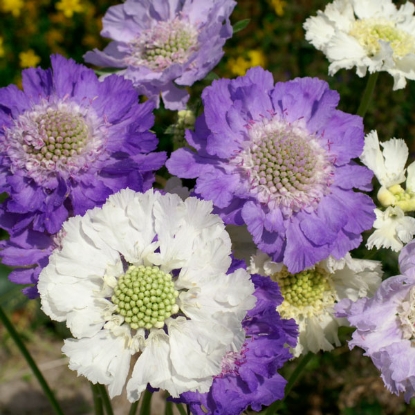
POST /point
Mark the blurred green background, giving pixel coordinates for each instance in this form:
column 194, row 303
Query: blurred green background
column 341, row 382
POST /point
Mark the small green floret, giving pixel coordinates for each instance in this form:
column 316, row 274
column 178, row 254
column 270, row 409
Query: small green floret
column 64, row 135
column 305, row 288
column 145, row 296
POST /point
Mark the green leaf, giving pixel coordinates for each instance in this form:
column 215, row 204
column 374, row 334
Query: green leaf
column 238, row 26
column 211, row 76
column 107, row 71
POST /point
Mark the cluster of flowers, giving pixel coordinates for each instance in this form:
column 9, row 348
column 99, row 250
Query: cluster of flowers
column 140, row 272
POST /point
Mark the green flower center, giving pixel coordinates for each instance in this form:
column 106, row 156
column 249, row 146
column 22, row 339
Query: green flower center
column 368, row 32
column 166, row 43
column 60, row 135
column 285, row 165
column 145, row 296
column 305, row 293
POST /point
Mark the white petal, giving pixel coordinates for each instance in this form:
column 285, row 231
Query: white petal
column 197, row 348
column 410, row 180
column 395, row 152
column 262, row 264
column 365, row 9
column 319, row 30
column 345, row 49
column 154, row 366
column 82, row 253
column 336, row 16
column 390, row 225
column 231, row 293
column 388, row 165
column 102, row 358
column 314, row 338
column 358, row 278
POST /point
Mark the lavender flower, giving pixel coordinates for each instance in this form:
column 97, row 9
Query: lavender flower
column 67, row 142
column 249, row 376
column 278, row 159
column 161, row 44
column 385, row 326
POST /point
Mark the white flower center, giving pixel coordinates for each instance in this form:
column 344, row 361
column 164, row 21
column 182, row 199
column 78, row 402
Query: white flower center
column 369, row 32
column 306, row 294
column 285, row 165
column 406, row 314
column 54, row 137
column 145, row 296
column 163, row 45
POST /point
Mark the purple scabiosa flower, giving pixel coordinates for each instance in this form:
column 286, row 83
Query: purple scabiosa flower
column 67, row 142
column 385, row 326
column 249, row 376
column 278, row 159
column 165, row 43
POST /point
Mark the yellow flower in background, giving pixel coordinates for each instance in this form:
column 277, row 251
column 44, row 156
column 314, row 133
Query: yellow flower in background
column 69, row 7
column 12, row 6
column 28, row 58
column 278, row 6
column 240, row 65
column 1, row 47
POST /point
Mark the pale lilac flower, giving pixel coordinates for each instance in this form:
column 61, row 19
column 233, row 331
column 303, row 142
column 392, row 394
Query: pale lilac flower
column 385, row 326
column 160, row 45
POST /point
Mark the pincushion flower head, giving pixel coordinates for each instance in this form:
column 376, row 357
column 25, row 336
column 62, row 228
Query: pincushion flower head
column 392, row 227
column 310, row 295
column 68, row 141
column 249, row 376
column 162, row 44
column 146, row 275
column 278, row 159
column 385, row 326
column 371, row 35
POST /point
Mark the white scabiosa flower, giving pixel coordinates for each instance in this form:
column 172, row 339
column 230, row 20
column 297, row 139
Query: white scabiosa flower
column 310, row 295
column 392, row 227
column 371, row 35
column 146, row 275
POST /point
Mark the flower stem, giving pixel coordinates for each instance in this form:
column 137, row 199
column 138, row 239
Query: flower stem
column 181, row 409
column 271, row 410
column 26, row 354
column 146, row 403
column 103, row 394
column 168, row 410
column 98, row 410
column 133, row 408
column 367, row 94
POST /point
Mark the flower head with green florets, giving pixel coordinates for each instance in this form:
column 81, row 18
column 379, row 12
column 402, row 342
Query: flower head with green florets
column 146, row 275
column 310, row 295
column 370, row 35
